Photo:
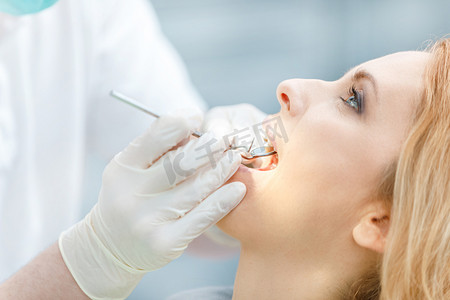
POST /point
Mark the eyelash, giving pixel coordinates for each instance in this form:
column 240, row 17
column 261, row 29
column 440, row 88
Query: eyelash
column 355, row 100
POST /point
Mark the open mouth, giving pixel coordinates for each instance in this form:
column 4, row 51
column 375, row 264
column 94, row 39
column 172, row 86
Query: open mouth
column 268, row 163
column 265, row 163
column 262, row 158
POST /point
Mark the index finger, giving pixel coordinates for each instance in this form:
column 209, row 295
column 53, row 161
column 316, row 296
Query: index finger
column 163, row 135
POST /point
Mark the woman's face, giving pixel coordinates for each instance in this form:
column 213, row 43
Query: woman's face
column 333, row 157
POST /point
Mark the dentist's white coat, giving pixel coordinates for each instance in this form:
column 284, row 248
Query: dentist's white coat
column 56, row 70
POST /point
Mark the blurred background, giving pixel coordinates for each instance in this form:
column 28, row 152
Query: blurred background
column 238, row 51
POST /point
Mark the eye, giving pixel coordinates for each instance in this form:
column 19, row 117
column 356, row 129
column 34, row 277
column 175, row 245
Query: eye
column 355, row 99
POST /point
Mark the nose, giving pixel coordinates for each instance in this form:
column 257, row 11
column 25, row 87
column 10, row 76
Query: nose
column 289, row 95
column 285, row 99
column 296, row 95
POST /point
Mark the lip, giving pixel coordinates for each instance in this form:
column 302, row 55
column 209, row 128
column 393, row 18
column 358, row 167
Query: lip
column 272, row 164
column 274, row 159
column 274, row 145
column 265, row 164
column 269, row 134
column 273, row 142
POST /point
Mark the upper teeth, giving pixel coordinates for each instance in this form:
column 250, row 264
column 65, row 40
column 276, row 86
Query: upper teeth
column 267, row 140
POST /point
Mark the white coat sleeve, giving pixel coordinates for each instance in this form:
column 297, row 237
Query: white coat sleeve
column 131, row 55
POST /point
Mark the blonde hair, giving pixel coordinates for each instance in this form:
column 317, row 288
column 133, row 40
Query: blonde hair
column 416, row 263
column 416, row 188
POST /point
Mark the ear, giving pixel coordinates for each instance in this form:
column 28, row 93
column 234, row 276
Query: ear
column 372, row 230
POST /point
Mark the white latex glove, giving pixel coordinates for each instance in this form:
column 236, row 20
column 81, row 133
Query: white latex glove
column 145, row 218
column 223, row 121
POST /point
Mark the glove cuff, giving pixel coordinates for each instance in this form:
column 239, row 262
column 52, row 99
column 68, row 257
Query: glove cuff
column 95, row 269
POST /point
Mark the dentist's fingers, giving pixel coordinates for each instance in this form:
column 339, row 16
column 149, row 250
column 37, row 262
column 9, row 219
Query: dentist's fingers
column 209, row 211
column 228, row 121
column 178, row 165
column 218, row 121
column 189, row 193
column 164, row 134
column 223, row 119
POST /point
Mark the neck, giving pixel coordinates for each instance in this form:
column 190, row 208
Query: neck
column 265, row 276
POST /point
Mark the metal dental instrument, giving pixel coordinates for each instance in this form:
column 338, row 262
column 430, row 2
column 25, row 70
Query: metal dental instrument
column 141, row 107
column 256, row 152
column 259, row 152
column 249, row 154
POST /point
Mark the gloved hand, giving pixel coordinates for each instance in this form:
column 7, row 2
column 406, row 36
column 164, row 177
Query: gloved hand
column 223, row 121
column 157, row 195
column 240, row 118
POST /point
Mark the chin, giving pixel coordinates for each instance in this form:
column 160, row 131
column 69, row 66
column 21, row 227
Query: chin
column 230, row 223
column 245, row 213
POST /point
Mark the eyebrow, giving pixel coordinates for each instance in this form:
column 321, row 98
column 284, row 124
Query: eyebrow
column 361, row 74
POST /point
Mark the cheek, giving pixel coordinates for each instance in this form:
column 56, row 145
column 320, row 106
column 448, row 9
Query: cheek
column 325, row 169
column 329, row 150
column 328, row 166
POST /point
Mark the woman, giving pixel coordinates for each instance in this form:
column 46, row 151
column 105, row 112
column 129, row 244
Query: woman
column 358, row 205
